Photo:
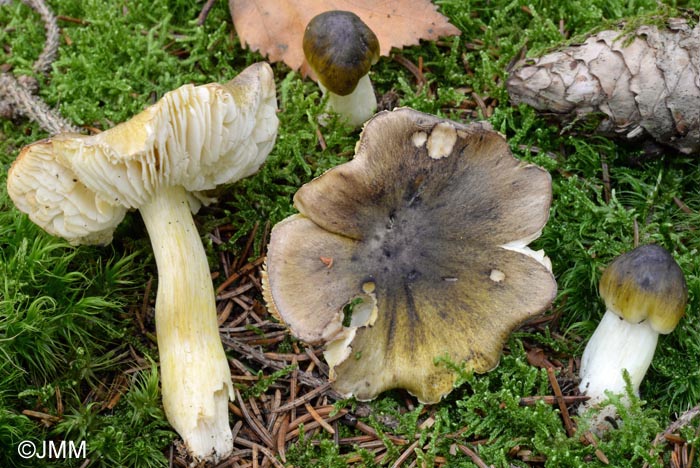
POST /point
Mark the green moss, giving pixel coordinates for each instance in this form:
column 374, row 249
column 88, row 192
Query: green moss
column 133, row 435
column 65, row 319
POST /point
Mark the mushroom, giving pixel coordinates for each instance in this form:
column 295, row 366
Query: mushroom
column 340, row 49
column 160, row 162
column 415, row 250
column 645, row 294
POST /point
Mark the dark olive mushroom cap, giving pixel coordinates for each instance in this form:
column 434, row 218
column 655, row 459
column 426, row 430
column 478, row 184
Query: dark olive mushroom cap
column 422, row 220
column 646, row 284
column 340, row 48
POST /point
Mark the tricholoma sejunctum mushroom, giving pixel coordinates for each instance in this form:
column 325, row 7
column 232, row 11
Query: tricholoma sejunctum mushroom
column 340, row 49
column 645, row 295
column 161, row 162
column 414, row 250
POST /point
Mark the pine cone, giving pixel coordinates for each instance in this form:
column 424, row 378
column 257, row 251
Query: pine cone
column 646, row 83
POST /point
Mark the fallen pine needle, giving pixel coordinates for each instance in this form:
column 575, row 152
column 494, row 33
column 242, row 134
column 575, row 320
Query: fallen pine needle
column 568, row 425
column 319, row 419
column 304, row 398
column 253, row 423
column 472, row 454
column 553, row 400
column 406, row 453
column 281, row 437
column 265, row 451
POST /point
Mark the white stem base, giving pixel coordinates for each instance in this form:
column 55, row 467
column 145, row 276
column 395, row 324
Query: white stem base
column 616, row 345
column 195, row 376
column 358, row 106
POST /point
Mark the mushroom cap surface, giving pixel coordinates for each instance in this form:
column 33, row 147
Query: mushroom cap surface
column 426, row 226
column 79, row 187
column 340, row 48
column 646, row 283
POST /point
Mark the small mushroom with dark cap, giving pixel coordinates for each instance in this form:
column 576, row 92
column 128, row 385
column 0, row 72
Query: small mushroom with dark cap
column 645, row 294
column 415, row 250
column 340, row 49
column 162, row 162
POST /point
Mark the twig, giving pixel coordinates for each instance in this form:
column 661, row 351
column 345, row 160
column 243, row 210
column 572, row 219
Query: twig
column 312, row 422
column 252, row 353
column 691, row 456
column 236, row 429
column 59, row 402
column 236, row 292
column 272, row 414
column 281, row 437
column 241, row 272
column 293, row 388
column 537, row 150
column 140, row 314
column 205, row 12
column 323, row 368
column 70, row 19
column 472, row 454
column 304, row 398
column 607, row 191
column 253, row 423
column 683, row 207
column 553, row 400
column 46, row 419
column 482, row 105
column 223, row 316
column 265, row 451
column 415, row 71
column 406, row 453
column 590, row 438
column 317, row 417
column 568, row 425
column 683, row 420
column 321, row 139
column 369, row 430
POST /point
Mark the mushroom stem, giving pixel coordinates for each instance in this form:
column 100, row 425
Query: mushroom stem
column 358, row 106
column 616, row 345
column 195, row 376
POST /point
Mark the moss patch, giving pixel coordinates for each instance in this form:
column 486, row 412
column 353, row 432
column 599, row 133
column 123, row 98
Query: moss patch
column 75, row 335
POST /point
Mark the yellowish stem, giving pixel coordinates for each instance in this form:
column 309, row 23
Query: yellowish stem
column 195, row 376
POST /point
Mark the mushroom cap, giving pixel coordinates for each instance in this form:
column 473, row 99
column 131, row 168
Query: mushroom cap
column 646, row 283
column 80, row 187
column 340, row 48
column 427, row 226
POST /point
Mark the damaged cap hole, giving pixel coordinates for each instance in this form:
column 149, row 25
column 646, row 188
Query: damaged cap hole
column 360, row 311
column 349, row 309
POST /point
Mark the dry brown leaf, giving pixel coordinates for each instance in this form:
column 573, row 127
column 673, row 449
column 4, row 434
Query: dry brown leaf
column 275, row 27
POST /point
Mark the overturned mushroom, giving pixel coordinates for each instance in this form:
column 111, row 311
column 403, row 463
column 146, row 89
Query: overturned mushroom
column 159, row 162
column 414, row 250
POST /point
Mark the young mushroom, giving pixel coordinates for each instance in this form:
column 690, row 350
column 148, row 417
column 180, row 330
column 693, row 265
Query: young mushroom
column 645, row 294
column 340, row 48
column 415, row 250
column 160, row 162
